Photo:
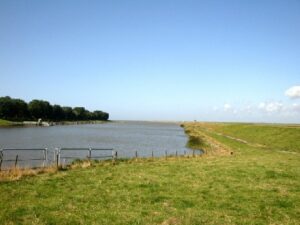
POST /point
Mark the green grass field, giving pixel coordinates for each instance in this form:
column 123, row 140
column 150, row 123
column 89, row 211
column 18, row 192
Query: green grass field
column 5, row 123
column 276, row 137
column 258, row 184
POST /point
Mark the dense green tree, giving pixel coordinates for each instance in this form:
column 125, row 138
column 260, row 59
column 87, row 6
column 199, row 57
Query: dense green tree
column 80, row 113
column 6, row 107
column 20, row 109
column 58, row 113
column 99, row 115
column 17, row 109
column 68, row 113
column 105, row 116
column 40, row 109
column 13, row 109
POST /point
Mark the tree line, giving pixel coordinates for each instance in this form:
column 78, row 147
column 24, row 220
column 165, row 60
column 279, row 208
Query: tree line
column 18, row 110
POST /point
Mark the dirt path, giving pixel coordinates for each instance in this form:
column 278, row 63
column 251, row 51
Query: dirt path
column 247, row 142
column 241, row 140
column 209, row 130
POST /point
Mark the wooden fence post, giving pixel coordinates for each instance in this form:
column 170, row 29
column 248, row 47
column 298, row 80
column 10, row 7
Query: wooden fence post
column 1, row 158
column 57, row 160
column 136, row 154
column 90, row 154
column 45, row 157
column 54, row 155
column 16, row 161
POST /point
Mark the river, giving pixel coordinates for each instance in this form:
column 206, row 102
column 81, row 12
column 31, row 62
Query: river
column 125, row 137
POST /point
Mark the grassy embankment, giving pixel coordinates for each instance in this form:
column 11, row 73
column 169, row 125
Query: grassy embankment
column 258, row 184
column 7, row 123
column 4, row 122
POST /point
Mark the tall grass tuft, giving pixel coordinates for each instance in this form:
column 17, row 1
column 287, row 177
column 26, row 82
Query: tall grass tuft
column 17, row 173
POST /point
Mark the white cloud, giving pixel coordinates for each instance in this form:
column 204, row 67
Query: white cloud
column 215, row 108
column 248, row 109
column 227, row 107
column 293, row 92
column 296, row 107
column 262, row 105
column 270, row 107
column 266, row 111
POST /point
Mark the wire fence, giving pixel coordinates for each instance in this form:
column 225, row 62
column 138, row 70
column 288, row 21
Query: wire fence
column 41, row 157
column 66, row 155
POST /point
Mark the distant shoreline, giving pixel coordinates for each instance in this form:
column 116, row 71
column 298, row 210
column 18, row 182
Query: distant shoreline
column 7, row 123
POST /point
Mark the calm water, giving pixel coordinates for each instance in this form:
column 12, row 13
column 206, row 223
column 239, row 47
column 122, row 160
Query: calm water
column 124, row 137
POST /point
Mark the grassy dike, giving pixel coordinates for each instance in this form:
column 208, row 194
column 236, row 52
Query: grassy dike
column 7, row 123
column 242, row 179
column 4, row 122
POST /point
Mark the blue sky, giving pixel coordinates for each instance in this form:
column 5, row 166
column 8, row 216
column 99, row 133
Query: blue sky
column 155, row 60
